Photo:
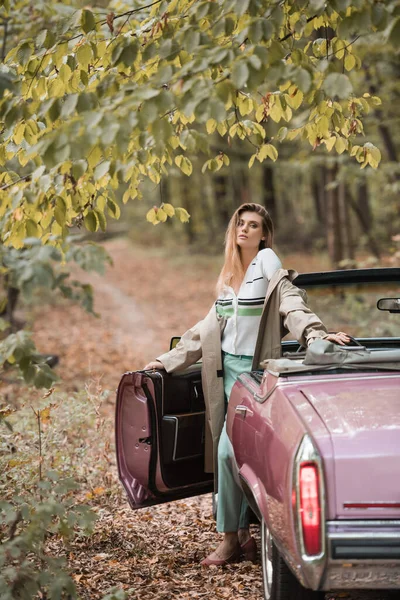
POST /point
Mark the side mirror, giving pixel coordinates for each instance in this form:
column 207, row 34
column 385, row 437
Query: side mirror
column 390, row 304
column 173, row 342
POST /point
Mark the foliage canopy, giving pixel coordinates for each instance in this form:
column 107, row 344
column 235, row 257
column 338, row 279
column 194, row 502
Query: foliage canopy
column 90, row 102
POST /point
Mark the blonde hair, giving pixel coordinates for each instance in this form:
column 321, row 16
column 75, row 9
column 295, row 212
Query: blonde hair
column 232, row 272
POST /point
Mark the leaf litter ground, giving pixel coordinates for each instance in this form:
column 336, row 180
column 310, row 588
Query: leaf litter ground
column 154, row 553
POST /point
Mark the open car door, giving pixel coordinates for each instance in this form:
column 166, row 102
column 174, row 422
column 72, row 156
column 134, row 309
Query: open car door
column 160, row 434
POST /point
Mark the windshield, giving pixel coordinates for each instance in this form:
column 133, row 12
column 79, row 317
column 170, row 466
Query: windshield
column 352, row 308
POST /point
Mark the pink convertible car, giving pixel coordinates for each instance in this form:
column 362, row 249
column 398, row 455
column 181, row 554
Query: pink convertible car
column 316, row 436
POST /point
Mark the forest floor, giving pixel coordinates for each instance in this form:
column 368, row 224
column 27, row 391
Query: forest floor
column 143, row 300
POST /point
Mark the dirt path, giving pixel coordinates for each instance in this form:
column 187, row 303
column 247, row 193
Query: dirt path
column 143, row 300
column 154, row 553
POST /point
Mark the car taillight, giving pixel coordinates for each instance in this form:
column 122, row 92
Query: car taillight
column 310, row 508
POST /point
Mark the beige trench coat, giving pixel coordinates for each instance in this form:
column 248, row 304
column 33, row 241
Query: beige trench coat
column 284, row 310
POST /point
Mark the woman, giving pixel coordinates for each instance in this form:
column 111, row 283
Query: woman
column 256, row 304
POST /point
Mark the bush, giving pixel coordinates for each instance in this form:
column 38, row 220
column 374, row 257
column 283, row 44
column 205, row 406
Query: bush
column 53, row 457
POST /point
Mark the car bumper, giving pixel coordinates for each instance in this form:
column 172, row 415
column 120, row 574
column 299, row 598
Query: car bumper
column 362, row 554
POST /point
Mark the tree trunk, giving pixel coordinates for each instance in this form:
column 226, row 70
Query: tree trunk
column 221, row 196
column 333, row 228
column 345, row 224
column 362, row 209
column 269, row 197
column 318, row 193
column 187, row 202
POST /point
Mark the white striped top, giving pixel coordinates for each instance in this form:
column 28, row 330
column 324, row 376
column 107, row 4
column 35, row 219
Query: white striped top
column 243, row 311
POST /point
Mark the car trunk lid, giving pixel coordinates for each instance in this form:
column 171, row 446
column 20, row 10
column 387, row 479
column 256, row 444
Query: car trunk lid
column 362, row 414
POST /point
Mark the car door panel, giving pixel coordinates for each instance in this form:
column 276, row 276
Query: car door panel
column 160, row 432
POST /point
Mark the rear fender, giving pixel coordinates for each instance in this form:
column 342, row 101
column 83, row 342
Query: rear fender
column 255, row 492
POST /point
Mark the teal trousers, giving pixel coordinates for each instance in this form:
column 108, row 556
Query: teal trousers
column 232, row 511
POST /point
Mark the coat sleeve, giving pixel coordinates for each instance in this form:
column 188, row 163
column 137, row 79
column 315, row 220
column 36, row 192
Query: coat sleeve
column 186, row 352
column 298, row 318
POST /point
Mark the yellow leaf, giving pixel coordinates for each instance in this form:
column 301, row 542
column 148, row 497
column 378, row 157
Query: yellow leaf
column 323, row 126
column 276, row 112
column 45, row 415
column 252, row 159
column 222, row 128
column 260, row 113
column 19, row 133
column 162, row 215
column 211, row 126
column 174, row 142
column 244, row 104
column 349, row 62
column 182, row 215
column 152, row 216
column 98, row 491
column 330, row 142
column 294, row 100
column 184, row 164
column 341, row 145
column 169, row 209
column 267, row 150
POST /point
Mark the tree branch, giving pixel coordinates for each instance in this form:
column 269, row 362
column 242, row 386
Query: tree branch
column 288, row 35
column 8, row 185
column 3, row 48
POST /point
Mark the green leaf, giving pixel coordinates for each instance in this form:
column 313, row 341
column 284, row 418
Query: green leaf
column 303, row 79
column 88, row 21
column 24, row 52
column 282, row 133
column 113, row 209
column 101, row 169
column 101, row 218
column 240, row 74
column 129, row 54
column 217, row 110
column 84, row 55
column 78, row 169
column 6, row 83
column 60, row 211
column 91, row 221
column 32, row 228
column 337, row 84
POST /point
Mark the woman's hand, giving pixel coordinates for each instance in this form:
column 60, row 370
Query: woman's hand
column 340, row 338
column 155, row 364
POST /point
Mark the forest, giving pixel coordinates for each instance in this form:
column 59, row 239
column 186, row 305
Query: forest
column 130, row 131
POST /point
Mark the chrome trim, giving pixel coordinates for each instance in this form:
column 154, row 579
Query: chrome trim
column 360, row 535
column 302, row 381
column 360, row 523
column 262, row 399
column 312, row 566
column 266, row 561
column 243, row 411
column 247, row 385
column 334, row 379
